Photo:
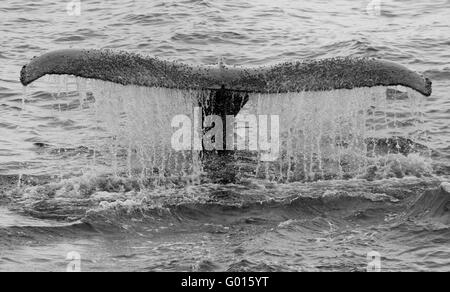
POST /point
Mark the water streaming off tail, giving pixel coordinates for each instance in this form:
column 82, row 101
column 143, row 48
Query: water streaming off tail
column 133, row 129
column 340, row 133
column 323, row 135
column 139, row 120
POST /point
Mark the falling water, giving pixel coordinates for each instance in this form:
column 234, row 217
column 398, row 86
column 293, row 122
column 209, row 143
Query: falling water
column 337, row 134
column 138, row 121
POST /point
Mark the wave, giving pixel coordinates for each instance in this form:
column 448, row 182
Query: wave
column 19, row 234
column 433, row 204
column 399, row 184
column 111, row 204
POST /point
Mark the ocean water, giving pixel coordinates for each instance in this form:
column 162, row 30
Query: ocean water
column 85, row 172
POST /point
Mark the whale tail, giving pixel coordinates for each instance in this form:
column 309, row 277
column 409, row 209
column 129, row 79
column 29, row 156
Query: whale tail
column 229, row 86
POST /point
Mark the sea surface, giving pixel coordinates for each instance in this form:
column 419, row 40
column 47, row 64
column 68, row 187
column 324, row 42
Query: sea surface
column 87, row 184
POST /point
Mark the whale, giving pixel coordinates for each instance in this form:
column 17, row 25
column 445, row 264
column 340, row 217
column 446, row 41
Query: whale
column 229, row 85
column 134, row 69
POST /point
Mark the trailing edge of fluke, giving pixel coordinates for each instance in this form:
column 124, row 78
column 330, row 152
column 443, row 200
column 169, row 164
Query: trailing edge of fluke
column 133, row 69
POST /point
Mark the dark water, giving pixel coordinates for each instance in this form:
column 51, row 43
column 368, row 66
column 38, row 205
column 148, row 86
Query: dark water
column 54, row 199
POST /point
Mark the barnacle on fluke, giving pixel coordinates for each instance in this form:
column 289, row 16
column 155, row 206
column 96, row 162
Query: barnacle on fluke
column 315, row 75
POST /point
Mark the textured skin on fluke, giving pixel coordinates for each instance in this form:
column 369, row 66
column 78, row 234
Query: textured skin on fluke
column 133, row 69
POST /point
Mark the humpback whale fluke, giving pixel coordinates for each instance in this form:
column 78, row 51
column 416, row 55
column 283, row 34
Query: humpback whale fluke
column 133, row 69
